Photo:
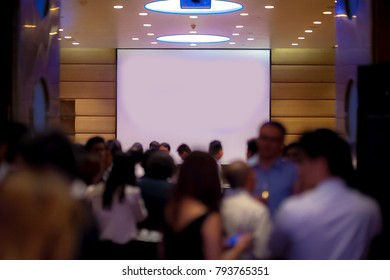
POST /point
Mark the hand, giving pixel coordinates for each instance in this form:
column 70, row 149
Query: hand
column 244, row 241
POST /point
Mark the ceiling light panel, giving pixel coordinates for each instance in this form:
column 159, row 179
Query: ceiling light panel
column 193, row 38
column 173, row 7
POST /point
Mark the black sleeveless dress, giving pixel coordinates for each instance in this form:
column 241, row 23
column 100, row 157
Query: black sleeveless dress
column 186, row 244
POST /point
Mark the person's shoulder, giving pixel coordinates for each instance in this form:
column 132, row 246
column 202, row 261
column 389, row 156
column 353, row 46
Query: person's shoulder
column 295, row 205
column 366, row 202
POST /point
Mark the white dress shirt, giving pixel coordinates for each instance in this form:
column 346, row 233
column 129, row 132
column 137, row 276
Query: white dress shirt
column 119, row 224
column 241, row 213
column 331, row 221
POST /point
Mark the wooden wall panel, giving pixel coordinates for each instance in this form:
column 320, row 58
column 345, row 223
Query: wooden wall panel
column 292, row 56
column 300, row 125
column 297, row 91
column 82, row 138
column 79, row 90
column 303, row 90
column 302, row 74
column 291, row 138
column 95, row 125
column 95, row 107
column 67, row 108
column 303, row 108
column 88, row 78
column 88, row 56
column 87, row 73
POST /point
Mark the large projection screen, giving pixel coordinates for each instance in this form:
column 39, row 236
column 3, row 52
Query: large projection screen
column 192, row 96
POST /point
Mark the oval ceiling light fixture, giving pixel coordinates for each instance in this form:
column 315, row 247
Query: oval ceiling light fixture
column 173, row 7
column 192, row 38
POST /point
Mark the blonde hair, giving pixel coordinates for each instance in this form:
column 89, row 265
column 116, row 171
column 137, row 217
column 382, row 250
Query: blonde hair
column 38, row 217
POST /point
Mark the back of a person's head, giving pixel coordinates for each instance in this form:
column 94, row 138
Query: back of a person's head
column 293, row 152
column 159, row 165
column 88, row 164
column 12, row 133
column 38, row 217
column 136, row 151
column 136, row 147
column 183, row 148
column 329, row 145
column 51, row 149
column 165, row 146
column 214, row 147
column 199, row 178
column 121, row 175
column 114, row 146
column 92, row 141
column 154, row 145
column 236, row 174
column 122, row 172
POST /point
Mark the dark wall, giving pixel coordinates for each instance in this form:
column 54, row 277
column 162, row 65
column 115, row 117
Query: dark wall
column 363, row 98
column 31, row 82
column 8, row 20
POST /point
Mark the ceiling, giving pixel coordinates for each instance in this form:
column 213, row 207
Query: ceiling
column 96, row 24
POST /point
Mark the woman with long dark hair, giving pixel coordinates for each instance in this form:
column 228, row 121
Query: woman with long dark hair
column 118, row 207
column 193, row 228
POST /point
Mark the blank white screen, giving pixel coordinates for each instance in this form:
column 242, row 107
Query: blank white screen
column 193, row 97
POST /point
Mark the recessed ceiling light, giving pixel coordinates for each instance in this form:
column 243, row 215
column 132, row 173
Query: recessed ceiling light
column 147, row 25
column 236, row 34
column 192, row 32
column 143, row 14
column 269, row 7
column 239, row 26
column 244, row 14
column 193, row 16
column 118, row 7
column 173, row 7
column 76, row 43
column 193, row 45
column 294, row 44
column 135, row 39
column 327, row 13
column 317, row 22
column 193, row 38
column 150, row 34
column 308, row 31
column 153, row 43
column 251, row 39
column 68, row 37
column 60, row 29
column 232, row 43
column 301, row 38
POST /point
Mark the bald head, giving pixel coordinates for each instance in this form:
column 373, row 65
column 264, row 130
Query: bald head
column 239, row 175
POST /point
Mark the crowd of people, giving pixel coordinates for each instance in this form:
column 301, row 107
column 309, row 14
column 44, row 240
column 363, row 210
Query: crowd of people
column 62, row 200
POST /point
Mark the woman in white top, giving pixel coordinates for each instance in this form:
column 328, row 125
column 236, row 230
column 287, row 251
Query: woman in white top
column 118, row 207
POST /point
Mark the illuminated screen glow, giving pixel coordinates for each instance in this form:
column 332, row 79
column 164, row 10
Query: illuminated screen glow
column 192, row 96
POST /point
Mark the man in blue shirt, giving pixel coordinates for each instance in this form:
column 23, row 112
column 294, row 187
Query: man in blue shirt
column 275, row 177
